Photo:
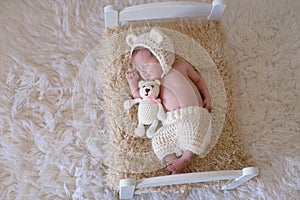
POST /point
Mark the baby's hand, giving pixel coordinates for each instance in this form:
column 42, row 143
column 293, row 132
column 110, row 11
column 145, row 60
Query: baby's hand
column 132, row 76
column 207, row 104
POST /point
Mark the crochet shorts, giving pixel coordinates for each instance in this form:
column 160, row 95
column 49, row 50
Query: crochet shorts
column 184, row 129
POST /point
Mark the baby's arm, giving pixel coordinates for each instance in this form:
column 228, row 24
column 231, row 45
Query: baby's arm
column 201, row 85
column 132, row 79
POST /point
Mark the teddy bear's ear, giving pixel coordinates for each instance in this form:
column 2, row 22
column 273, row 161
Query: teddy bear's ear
column 130, row 39
column 156, row 35
column 141, row 83
column 157, row 82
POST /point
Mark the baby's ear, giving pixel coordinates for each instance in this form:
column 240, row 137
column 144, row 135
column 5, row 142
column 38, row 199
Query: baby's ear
column 156, row 35
column 141, row 83
column 130, row 39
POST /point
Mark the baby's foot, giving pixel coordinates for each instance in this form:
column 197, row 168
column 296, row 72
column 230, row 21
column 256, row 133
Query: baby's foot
column 177, row 165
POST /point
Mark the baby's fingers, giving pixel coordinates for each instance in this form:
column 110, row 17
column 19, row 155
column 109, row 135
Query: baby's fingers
column 129, row 74
column 132, row 75
column 207, row 106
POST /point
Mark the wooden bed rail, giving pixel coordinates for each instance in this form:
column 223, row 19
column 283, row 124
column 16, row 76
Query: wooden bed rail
column 128, row 187
column 163, row 10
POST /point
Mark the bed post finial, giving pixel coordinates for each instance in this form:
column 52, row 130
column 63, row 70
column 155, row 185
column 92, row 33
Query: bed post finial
column 127, row 188
column 111, row 17
column 217, row 10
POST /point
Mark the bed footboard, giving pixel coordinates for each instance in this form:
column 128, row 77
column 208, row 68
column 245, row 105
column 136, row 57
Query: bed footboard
column 129, row 187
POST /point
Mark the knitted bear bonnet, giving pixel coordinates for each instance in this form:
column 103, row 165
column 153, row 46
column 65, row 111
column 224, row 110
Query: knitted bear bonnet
column 159, row 44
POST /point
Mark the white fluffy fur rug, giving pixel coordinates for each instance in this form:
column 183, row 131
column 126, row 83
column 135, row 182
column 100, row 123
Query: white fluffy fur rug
column 45, row 155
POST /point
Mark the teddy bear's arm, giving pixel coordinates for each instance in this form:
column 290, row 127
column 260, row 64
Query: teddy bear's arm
column 129, row 103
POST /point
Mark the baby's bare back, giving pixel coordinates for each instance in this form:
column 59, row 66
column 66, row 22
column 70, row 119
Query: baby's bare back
column 178, row 90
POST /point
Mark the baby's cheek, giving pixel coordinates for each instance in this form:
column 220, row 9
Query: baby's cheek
column 158, row 72
column 157, row 76
column 145, row 77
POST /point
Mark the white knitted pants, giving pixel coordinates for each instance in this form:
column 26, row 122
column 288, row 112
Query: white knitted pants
column 184, row 129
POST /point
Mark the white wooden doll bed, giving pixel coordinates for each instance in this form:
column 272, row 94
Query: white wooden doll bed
column 213, row 11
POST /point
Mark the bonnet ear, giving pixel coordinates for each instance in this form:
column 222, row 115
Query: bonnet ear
column 157, row 82
column 130, row 39
column 156, row 35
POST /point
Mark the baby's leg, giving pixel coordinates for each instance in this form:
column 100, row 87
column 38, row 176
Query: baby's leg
column 177, row 165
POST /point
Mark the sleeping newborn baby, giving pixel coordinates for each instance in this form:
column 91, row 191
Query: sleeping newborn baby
column 184, row 94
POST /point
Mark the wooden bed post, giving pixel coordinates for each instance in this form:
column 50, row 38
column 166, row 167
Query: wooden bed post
column 111, row 17
column 127, row 188
column 217, row 10
column 247, row 174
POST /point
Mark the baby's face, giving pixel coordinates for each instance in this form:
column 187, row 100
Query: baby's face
column 146, row 64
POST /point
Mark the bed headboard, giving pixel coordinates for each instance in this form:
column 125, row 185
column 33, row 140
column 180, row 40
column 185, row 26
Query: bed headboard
column 163, row 10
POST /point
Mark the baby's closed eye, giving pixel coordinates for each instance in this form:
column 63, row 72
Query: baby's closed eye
column 142, row 67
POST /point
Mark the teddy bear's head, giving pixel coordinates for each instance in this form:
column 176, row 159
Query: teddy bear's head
column 149, row 89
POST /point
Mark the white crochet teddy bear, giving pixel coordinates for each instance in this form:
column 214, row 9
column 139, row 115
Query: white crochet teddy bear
column 150, row 109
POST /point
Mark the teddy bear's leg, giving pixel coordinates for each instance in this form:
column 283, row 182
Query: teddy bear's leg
column 140, row 130
column 151, row 130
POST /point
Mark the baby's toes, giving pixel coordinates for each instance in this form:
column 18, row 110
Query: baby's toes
column 171, row 167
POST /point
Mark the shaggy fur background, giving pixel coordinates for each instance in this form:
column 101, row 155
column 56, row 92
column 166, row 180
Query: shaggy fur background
column 43, row 43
